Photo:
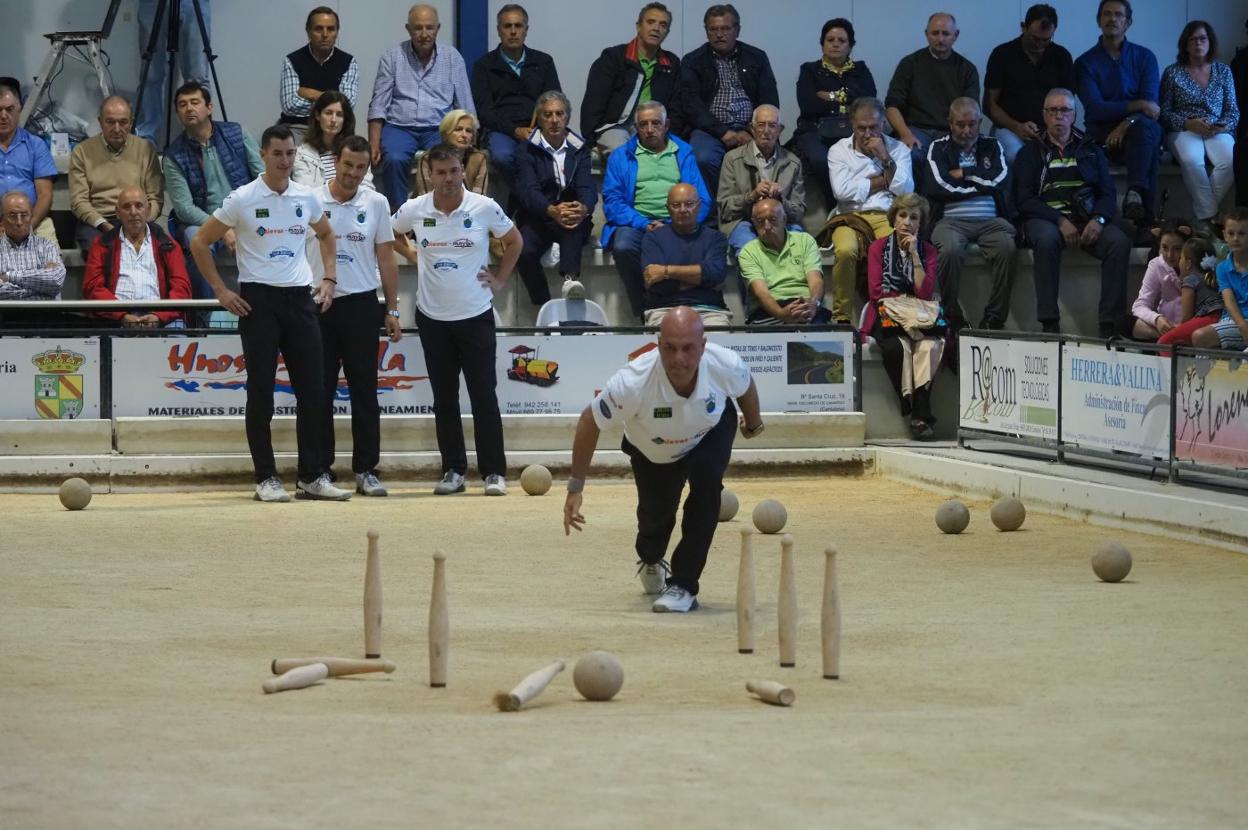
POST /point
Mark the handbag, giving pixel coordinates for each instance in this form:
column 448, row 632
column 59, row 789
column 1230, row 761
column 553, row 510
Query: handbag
column 913, row 315
column 835, row 127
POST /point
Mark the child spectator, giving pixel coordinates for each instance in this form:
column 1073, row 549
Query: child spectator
column 1157, row 307
column 1231, row 331
column 1201, row 300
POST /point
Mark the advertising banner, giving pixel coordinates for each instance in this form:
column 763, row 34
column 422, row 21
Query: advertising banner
column 52, row 379
column 1008, row 386
column 1211, row 419
column 1113, row 400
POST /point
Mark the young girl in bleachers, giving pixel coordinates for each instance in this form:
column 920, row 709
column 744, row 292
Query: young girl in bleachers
column 1157, row 307
column 1201, row 301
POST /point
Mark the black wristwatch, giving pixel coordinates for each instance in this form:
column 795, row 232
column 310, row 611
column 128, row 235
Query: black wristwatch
column 1099, row 218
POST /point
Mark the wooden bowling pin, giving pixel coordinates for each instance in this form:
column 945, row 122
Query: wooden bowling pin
column 770, row 691
column 830, row 618
column 338, row 666
column 787, row 605
column 745, row 594
column 296, row 678
column 372, row 600
column 439, row 624
column 529, row 688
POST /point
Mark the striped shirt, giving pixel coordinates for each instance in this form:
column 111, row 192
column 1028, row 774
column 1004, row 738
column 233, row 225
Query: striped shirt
column 976, row 207
column 296, row 105
column 1061, row 181
column 137, row 278
column 408, row 93
column 24, row 266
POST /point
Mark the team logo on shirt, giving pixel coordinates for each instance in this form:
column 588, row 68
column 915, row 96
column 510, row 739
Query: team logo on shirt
column 710, row 402
column 361, row 217
column 430, row 223
column 278, row 253
column 662, row 412
column 298, row 210
column 467, row 221
column 445, row 265
column 262, row 213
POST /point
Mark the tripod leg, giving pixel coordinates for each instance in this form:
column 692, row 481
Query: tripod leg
column 148, row 52
column 173, row 44
column 206, row 39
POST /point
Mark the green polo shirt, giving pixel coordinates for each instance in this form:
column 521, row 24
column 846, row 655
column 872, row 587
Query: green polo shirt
column 784, row 271
column 647, row 76
column 657, row 173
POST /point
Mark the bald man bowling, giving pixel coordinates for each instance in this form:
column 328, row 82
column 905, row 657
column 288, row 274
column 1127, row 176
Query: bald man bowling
column 675, row 405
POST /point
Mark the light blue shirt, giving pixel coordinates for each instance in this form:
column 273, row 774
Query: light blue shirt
column 516, row 64
column 408, row 93
column 26, row 159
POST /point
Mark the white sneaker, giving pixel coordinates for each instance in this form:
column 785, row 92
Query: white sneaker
column 321, row 489
column 495, row 485
column 551, row 258
column 367, row 484
column 675, row 600
column 573, row 289
column 653, row 577
column 271, row 490
column 452, row 482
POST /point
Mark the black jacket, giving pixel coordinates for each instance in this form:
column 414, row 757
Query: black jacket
column 989, row 177
column 1031, row 164
column 536, row 185
column 613, row 84
column 699, row 80
column 504, row 100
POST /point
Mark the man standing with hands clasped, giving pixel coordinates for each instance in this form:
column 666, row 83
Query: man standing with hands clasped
column 676, row 406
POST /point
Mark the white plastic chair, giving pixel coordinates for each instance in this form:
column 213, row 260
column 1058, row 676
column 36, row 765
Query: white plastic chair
column 554, row 313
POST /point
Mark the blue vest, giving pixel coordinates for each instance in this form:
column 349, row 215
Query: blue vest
column 227, row 140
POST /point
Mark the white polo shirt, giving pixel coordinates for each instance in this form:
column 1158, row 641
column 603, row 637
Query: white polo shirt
column 662, row 424
column 360, row 225
column 271, row 229
column 452, row 249
column 137, row 278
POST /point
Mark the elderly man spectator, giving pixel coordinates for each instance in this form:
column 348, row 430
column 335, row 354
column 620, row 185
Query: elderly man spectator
column 506, row 84
column 26, row 165
column 1066, row 199
column 868, row 171
column 556, row 193
column 627, row 75
column 783, row 269
column 1118, row 85
column 30, row 265
column 721, row 82
column 634, row 192
column 1020, row 73
column 100, row 167
column 418, row 82
column 684, row 263
column 926, row 82
column 966, row 184
column 315, row 68
column 759, row 169
column 136, row 260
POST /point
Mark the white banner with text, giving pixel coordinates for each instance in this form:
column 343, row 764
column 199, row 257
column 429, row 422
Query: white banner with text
column 1008, row 386
column 49, row 378
column 1114, row 400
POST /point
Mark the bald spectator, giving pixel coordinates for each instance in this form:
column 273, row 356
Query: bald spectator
column 418, row 83
column 684, row 263
column 925, row 84
column 30, row 265
column 316, row 67
column 759, row 169
column 136, row 260
column 784, row 270
column 26, row 165
column 101, row 166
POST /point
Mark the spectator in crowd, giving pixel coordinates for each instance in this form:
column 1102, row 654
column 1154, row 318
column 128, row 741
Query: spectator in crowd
column 30, row 265
column 26, row 165
column 136, row 259
column 1020, row 73
column 721, row 82
column 202, row 166
column 684, row 263
column 556, row 193
column 13, row 85
column 627, row 75
column 925, row 84
column 868, row 171
column 904, row 315
column 332, row 121
column 458, row 129
column 192, row 59
column 100, row 167
column 1159, row 306
column 455, row 313
column 506, row 83
column 759, row 169
column 1239, row 71
column 1066, row 199
column 316, row 68
column 825, row 89
column 783, row 269
column 1118, row 87
column 418, row 83
column 634, row 192
column 1201, row 115
column 967, row 185
column 1231, row 331
column 1201, row 302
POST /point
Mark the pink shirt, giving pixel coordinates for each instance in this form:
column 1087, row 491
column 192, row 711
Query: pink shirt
column 1160, row 293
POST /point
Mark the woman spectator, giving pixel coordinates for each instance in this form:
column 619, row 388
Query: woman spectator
column 903, row 314
column 331, row 119
column 1160, row 302
column 1200, row 114
column 825, row 89
column 459, row 129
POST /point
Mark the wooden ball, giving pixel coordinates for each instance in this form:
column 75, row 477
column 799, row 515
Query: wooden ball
column 1008, row 513
column 728, row 505
column 75, row 494
column 535, row 480
column 952, row 516
column 770, row 516
column 1112, row 562
column 598, row 675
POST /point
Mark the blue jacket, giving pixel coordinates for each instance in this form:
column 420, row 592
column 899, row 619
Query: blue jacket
column 227, row 140
column 620, row 184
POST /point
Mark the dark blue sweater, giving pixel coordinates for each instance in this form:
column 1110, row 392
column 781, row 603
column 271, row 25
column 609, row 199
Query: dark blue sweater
column 706, row 247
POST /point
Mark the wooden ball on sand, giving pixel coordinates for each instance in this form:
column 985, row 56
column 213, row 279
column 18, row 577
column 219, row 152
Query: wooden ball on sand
column 535, row 480
column 598, row 675
column 1008, row 513
column 952, row 516
column 770, row 516
column 75, row 494
column 728, row 505
column 1112, row 562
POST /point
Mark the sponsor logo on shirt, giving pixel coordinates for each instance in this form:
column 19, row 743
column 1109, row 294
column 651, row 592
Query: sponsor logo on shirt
column 278, row 253
column 445, row 265
column 430, row 223
column 261, row 231
column 662, row 412
column 457, row 243
column 345, row 257
column 355, row 236
column 262, row 213
column 462, row 243
column 603, row 408
column 297, row 230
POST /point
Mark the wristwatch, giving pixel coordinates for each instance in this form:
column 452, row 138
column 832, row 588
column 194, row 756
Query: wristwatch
column 750, row 433
column 392, row 312
column 1099, row 218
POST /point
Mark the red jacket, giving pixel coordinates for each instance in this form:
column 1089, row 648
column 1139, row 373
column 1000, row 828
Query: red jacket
column 104, row 259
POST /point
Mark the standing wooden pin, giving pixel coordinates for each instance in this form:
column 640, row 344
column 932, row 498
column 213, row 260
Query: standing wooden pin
column 830, row 620
column 372, row 600
column 439, row 624
column 787, row 605
column 745, row 594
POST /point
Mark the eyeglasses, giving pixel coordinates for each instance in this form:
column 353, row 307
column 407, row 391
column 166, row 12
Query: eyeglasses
column 1058, row 110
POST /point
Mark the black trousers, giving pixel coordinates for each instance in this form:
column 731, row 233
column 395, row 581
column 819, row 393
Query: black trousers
column 537, row 240
column 468, row 346
column 282, row 321
column 658, row 496
column 349, row 339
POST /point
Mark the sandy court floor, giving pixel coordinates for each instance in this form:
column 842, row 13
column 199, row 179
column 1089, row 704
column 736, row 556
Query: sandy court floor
column 988, row 679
